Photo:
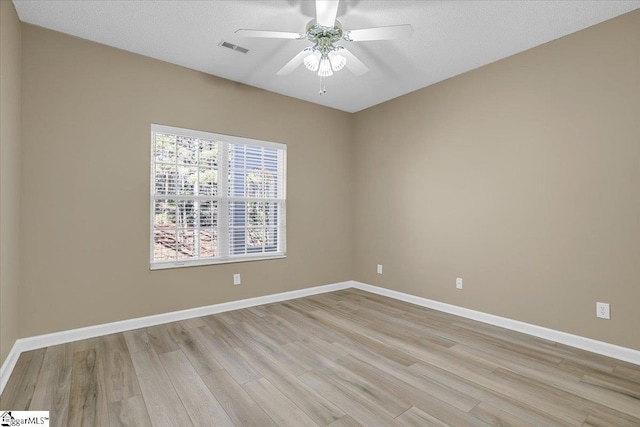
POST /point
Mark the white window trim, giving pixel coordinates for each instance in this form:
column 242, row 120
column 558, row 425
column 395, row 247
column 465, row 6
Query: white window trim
column 223, row 208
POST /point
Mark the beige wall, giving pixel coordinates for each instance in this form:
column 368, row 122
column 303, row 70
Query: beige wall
column 87, row 110
column 10, row 66
column 522, row 177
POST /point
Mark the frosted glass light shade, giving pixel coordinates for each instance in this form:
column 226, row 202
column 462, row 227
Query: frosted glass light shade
column 325, row 68
column 312, row 61
column 337, row 61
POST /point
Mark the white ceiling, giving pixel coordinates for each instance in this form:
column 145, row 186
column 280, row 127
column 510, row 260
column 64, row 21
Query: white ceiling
column 450, row 37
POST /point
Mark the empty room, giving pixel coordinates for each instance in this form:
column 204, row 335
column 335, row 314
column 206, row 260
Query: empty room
column 320, row 213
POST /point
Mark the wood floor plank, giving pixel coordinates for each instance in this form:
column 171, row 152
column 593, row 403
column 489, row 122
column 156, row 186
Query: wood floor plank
column 507, row 347
column 202, row 360
column 580, row 369
column 84, row 345
column 254, row 336
column 554, row 401
column 366, row 388
column 362, row 411
column 87, row 399
column 230, row 317
column 259, row 310
column 587, row 358
column 235, row 365
column 347, row 311
column 630, row 374
column 497, row 417
column 294, row 314
column 222, row 331
column 317, row 346
column 201, row 405
column 361, row 335
column 507, row 350
column 164, row 406
column 282, row 410
column 241, row 408
column 425, row 385
column 388, row 315
column 552, row 376
column 120, row 378
column 249, row 316
column 602, row 420
column 319, row 409
column 504, row 338
column 305, row 357
column 428, row 402
column 467, row 365
column 19, row 390
column 131, row 412
column 305, row 305
column 617, row 385
column 160, row 339
column 480, row 392
column 401, row 308
column 279, row 331
column 137, row 340
column 415, row 417
column 196, row 322
column 302, row 327
column 415, row 333
column 52, row 394
column 58, row 356
column 413, row 344
column 345, row 421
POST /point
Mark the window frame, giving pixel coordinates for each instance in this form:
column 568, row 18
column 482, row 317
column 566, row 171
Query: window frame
column 222, row 226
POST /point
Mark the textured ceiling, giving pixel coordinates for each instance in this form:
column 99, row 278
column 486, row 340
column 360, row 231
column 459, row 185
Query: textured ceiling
column 450, row 37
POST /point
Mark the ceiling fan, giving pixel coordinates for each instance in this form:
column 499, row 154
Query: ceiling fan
column 324, row 56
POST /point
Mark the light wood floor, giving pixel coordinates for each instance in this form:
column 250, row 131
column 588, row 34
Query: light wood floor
column 347, row 358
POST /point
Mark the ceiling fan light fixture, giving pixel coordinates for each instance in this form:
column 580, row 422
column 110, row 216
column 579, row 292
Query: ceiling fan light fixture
column 325, row 68
column 337, row 61
column 324, row 57
column 312, row 61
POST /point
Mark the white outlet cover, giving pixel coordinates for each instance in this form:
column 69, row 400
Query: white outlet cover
column 379, row 268
column 459, row 283
column 602, row 310
column 236, row 279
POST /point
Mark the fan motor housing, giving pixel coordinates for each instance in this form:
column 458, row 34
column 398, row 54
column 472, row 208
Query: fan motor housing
column 324, row 36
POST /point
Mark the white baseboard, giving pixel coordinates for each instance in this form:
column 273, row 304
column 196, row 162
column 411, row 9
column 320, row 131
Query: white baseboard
column 594, row 346
column 46, row 340
column 41, row 341
column 8, row 365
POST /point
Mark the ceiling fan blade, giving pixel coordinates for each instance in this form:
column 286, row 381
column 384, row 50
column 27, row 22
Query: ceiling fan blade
column 379, row 33
column 326, row 11
column 269, row 34
column 353, row 63
column 294, row 63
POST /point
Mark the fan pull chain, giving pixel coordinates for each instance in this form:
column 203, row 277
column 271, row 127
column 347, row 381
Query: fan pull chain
column 323, row 88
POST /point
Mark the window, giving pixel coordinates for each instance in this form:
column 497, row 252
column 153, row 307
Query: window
column 215, row 198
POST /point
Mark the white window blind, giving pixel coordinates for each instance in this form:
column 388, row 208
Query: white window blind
column 215, row 198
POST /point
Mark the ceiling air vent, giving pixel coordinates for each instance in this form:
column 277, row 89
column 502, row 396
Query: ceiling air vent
column 233, row 47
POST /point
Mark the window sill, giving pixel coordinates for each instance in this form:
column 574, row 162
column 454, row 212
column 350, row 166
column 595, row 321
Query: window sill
column 202, row 262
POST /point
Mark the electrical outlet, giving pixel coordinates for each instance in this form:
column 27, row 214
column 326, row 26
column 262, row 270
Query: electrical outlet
column 602, row 310
column 236, row 279
column 459, row 283
column 379, row 268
